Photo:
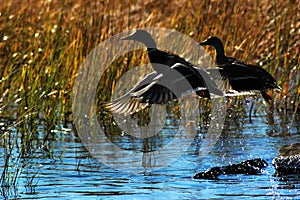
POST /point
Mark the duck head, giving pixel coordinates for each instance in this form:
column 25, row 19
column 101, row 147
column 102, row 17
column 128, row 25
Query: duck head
column 215, row 42
column 142, row 36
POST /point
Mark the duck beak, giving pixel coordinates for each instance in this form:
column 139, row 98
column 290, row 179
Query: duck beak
column 129, row 37
column 202, row 43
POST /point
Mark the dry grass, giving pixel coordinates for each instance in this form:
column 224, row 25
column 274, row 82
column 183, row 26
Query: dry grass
column 43, row 43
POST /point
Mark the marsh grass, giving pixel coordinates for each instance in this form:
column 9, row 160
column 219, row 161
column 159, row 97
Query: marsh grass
column 43, row 43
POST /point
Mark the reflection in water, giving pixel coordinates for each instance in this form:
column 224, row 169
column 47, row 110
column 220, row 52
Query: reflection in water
column 281, row 122
column 63, row 168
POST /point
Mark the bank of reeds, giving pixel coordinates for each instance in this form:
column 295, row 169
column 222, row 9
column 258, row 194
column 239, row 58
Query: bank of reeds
column 43, row 43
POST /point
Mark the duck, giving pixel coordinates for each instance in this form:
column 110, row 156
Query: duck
column 197, row 77
column 151, row 89
column 241, row 76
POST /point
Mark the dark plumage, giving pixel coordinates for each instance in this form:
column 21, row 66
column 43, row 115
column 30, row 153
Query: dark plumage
column 153, row 89
column 197, row 77
column 170, row 70
column 241, row 76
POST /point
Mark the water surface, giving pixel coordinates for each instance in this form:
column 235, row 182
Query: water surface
column 63, row 168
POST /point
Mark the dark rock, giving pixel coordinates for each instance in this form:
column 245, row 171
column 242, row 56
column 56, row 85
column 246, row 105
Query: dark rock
column 287, row 164
column 248, row 167
column 288, row 161
column 211, row 173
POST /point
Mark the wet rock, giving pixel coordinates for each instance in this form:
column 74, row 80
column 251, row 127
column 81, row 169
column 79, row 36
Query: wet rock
column 288, row 161
column 211, row 173
column 249, row 167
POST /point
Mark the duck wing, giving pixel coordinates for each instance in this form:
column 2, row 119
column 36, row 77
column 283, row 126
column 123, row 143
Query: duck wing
column 131, row 102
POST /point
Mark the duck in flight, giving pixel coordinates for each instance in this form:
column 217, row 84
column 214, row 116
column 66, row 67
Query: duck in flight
column 169, row 69
column 154, row 88
column 241, row 76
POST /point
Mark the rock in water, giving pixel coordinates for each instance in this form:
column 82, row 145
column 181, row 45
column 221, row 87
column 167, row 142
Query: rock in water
column 288, row 161
column 248, row 167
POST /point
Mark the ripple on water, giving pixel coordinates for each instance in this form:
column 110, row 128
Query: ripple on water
column 67, row 170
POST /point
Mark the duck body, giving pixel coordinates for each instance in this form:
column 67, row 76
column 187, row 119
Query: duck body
column 241, row 76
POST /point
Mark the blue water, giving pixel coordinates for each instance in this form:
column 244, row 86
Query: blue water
column 66, row 170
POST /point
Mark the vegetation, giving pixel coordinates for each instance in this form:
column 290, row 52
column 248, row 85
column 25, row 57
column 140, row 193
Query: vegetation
column 43, row 43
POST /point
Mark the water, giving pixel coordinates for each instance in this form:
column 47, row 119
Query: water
column 66, row 170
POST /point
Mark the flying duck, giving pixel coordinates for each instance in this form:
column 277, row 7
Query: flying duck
column 197, row 77
column 151, row 89
column 241, row 76
column 154, row 88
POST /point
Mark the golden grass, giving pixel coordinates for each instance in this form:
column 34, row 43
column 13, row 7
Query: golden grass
column 43, row 43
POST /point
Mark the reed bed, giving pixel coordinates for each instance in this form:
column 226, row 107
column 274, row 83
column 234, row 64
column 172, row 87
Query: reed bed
column 43, row 43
